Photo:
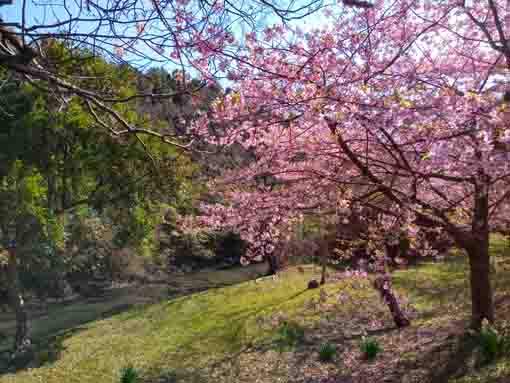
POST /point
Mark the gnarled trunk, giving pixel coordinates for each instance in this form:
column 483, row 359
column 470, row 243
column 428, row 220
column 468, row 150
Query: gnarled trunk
column 383, row 285
column 17, row 303
column 324, row 270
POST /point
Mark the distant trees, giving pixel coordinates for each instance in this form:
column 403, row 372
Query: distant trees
column 59, row 165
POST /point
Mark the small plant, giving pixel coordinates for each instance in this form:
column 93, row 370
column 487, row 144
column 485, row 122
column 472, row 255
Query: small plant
column 369, row 348
column 290, row 334
column 492, row 345
column 128, row 374
column 327, row 352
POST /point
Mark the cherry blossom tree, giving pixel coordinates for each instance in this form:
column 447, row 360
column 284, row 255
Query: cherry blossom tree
column 401, row 107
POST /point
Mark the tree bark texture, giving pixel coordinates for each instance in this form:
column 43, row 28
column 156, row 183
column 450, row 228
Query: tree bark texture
column 479, row 260
column 17, row 303
column 383, row 285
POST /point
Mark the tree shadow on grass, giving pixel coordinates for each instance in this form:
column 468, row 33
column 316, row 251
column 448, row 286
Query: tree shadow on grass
column 232, row 332
column 450, row 360
column 42, row 353
column 227, row 330
column 47, row 346
column 229, row 337
column 461, row 355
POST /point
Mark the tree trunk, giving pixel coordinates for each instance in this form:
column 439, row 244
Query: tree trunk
column 273, row 263
column 481, row 289
column 404, row 246
column 17, row 303
column 383, row 285
column 66, row 177
column 479, row 259
column 323, row 273
column 324, row 260
column 392, row 252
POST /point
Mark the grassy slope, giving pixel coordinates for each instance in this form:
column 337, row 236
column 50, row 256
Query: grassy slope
column 186, row 332
column 227, row 334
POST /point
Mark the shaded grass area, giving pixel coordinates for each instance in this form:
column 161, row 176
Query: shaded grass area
column 58, row 316
column 235, row 333
column 441, row 294
column 434, row 287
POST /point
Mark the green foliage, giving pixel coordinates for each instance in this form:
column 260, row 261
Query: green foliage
column 24, row 216
column 136, row 229
column 128, row 374
column 22, row 193
column 369, row 348
column 290, row 334
column 491, row 343
column 200, row 249
column 58, row 163
column 327, row 352
column 42, row 268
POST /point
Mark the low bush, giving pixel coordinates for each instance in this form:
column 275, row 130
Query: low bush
column 290, row 334
column 128, row 374
column 491, row 343
column 327, row 352
column 370, row 348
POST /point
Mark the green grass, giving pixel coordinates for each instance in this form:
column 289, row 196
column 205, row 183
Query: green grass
column 60, row 317
column 440, row 291
column 438, row 288
column 229, row 332
column 184, row 333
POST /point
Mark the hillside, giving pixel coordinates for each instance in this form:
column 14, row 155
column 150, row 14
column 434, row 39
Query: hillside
column 234, row 333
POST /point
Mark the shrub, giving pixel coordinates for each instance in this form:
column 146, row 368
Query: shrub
column 88, row 246
column 290, row 334
column 491, row 343
column 230, row 247
column 369, row 348
column 42, row 270
column 186, row 249
column 327, row 352
column 128, row 374
column 124, row 264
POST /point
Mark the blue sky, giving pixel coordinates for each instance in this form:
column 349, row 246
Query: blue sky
column 38, row 14
column 12, row 13
column 49, row 14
